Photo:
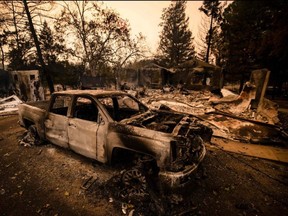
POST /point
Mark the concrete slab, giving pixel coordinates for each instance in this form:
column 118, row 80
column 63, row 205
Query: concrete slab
column 260, row 151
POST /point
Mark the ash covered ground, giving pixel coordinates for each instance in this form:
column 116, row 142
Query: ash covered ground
column 47, row 180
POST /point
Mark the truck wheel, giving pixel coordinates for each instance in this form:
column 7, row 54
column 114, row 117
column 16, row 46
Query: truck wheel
column 32, row 130
column 135, row 182
column 32, row 136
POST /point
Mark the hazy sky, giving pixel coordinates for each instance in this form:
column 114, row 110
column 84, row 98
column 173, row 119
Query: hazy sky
column 145, row 16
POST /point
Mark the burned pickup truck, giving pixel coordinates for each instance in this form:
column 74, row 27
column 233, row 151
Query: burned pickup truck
column 99, row 124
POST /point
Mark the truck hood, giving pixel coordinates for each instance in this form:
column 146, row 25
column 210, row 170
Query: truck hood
column 176, row 124
column 156, row 120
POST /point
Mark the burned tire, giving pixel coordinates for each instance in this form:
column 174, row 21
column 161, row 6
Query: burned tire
column 31, row 137
column 134, row 182
column 32, row 130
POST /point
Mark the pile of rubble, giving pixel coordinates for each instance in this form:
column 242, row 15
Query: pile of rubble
column 231, row 116
column 9, row 105
column 196, row 103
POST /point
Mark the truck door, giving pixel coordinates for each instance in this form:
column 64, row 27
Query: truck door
column 56, row 122
column 83, row 127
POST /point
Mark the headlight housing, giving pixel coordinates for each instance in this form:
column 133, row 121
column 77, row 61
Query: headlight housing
column 185, row 151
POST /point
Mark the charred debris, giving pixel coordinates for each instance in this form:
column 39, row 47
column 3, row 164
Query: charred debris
column 248, row 117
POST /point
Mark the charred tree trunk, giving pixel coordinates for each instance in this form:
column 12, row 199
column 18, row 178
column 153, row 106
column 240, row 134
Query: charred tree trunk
column 241, row 82
column 44, row 68
column 208, row 49
column 2, row 57
column 15, row 26
column 209, row 40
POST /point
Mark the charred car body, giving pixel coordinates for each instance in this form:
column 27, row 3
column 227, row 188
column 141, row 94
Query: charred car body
column 97, row 124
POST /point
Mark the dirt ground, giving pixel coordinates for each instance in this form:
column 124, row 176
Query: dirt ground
column 47, row 180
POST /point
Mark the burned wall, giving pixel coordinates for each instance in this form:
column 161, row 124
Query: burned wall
column 149, row 77
column 27, row 85
column 260, row 79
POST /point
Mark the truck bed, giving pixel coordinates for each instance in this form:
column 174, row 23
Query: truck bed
column 40, row 104
column 33, row 113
